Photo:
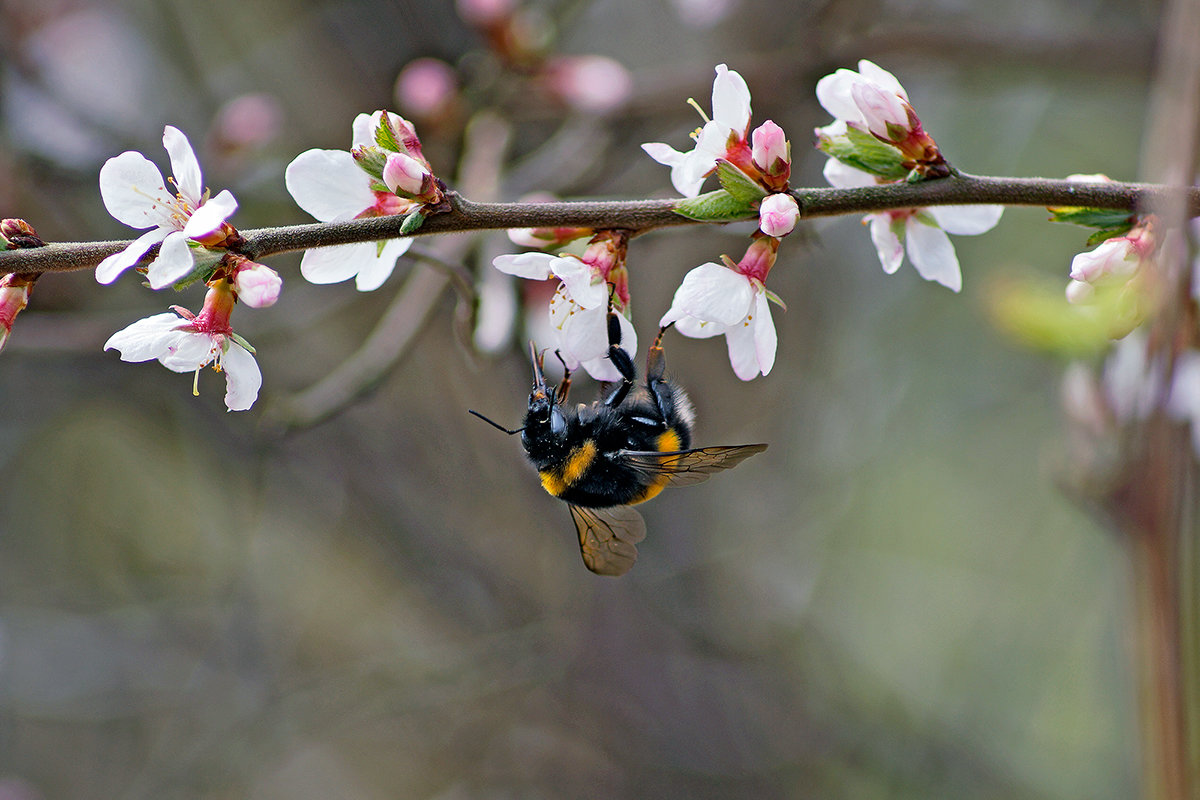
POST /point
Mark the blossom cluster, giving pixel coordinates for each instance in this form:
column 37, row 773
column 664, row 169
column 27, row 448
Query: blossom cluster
column 190, row 240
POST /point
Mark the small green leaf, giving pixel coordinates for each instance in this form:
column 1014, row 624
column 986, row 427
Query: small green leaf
column 863, row 151
column 1104, row 218
column 412, row 222
column 385, row 137
column 718, row 206
column 1105, row 234
column 242, row 342
column 739, row 185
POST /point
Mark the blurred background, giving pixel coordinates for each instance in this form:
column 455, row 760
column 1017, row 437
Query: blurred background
column 356, row 590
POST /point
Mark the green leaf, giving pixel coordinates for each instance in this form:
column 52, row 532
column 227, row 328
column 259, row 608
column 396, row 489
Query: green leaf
column 739, row 185
column 385, row 137
column 863, row 151
column 412, row 222
column 1105, row 234
column 718, row 206
column 242, row 342
column 1104, row 218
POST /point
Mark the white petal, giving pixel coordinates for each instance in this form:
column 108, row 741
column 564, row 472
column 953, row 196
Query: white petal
column 713, row 293
column 338, row 263
column 174, row 261
column 686, row 175
column 243, row 378
column 584, row 334
column 184, row 166
column 743, row 356
column 111, row 267
column 833, row 93
column 766, row 341
column 692, row 327
column 133, row 191
column 663, row 153
column 372, row 274
column 880, row 77
column 844, row 176
column 144, row 339
column 731, row 100
column 534, row 266
column 580, row 281
column 187, row 351
column 601, row 368
column 328, row 183
column 966, row 220
column 885, row 235
column 363, row 129
column 932, row 254
column 210, row 216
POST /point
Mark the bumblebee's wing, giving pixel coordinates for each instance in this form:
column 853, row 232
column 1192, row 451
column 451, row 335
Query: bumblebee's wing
column 607, row 537
column 685, row 467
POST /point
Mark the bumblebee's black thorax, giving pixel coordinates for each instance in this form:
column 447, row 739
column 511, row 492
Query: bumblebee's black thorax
column 579, row 456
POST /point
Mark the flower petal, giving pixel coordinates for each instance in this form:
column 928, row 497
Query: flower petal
column 110, row 268
column 713, row 293
column 336, row 264
column 766, row 341
column 932, row 254
column 243, row 378
column 878, row 76
column 602, row 368
column 373, row 273
column 133, row 191
column 834, row 95
column 174, row 261
column 731, row 100
column 188, row 351
column 885, row 235
column 144, row 339
column 184, row 166
column 210, row 216
column 533, row 266
column 328, row 183
column 691, row 327
column 581, row 283
column 966, row 220
column 844, row 176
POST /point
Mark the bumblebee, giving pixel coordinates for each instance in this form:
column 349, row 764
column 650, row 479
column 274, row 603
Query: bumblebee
column 602, row 459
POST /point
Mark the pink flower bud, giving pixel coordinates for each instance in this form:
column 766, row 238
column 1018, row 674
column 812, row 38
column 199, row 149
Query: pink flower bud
column 426, row 88
column 770, row 150
column 778, row 215
column 592, row 84
column 14, row 295
column 885, row 113
column 257, row 285
column 1115, row 256
column 404, row 175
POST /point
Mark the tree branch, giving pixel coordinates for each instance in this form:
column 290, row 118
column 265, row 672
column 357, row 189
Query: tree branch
column 640, row 216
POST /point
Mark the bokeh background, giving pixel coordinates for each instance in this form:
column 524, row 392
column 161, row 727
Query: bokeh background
column 899, row 599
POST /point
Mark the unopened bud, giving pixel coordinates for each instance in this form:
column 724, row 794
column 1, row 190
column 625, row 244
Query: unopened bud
column 778, row 215
column 405, row 176
column 16, row 234
column 256, row 285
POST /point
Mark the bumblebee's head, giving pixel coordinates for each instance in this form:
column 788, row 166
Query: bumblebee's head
column 544, row 421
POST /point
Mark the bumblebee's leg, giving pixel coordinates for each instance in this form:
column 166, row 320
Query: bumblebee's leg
column 656, row 368
column 565, row 386
column 620, row 360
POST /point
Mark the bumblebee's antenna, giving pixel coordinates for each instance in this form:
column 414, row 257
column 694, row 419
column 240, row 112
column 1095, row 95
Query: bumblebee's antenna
column 495, row 425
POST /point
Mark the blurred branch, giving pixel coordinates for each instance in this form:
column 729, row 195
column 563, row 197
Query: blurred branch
column 640, row 216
